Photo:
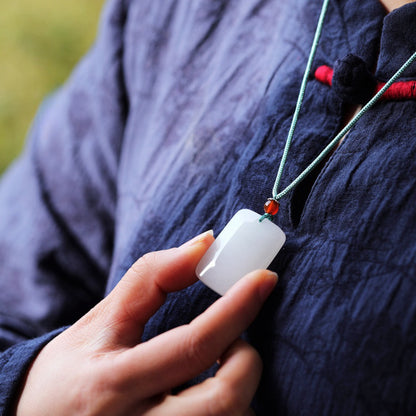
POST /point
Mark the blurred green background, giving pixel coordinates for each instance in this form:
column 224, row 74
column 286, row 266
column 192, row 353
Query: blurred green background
column 40, row 43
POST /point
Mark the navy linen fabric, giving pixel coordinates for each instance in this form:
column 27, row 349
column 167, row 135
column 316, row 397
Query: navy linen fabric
column 175, row 120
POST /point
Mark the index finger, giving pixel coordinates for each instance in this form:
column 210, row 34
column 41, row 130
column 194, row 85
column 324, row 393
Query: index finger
column 144, row 287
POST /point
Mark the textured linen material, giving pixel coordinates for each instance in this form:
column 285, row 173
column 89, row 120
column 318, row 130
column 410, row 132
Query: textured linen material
column 175, row 120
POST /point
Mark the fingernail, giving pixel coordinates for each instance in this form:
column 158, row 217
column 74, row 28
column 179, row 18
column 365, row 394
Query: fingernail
column 268, row 285
column 197, row 239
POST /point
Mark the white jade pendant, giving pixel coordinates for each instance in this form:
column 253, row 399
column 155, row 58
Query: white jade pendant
column 244, row 245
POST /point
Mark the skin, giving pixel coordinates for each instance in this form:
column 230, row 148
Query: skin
column 390, row 5
column 100, row 367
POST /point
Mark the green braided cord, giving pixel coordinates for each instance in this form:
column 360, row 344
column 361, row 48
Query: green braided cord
column 301, row 94
column 264, row 216
column 345, row 130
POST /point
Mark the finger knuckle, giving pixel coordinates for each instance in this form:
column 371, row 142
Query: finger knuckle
column 147, row 262
column 145, row 268
column 254, row 363
column 227, row 401
column 198, row 350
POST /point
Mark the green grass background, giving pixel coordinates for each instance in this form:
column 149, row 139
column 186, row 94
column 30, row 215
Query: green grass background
column 40, row 43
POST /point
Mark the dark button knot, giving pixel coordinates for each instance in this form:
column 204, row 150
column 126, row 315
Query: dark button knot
column 352, row 81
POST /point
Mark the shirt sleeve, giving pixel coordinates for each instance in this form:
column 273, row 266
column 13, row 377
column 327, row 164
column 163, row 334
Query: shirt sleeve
column 14, row 362
column 57, row 206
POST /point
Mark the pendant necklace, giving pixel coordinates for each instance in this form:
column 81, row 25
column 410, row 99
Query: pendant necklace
column 251, row 241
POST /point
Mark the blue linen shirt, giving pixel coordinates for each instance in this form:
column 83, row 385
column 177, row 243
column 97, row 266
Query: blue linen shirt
column 176, row 119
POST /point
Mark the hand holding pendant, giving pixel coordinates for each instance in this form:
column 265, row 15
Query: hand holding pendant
column 100, row 367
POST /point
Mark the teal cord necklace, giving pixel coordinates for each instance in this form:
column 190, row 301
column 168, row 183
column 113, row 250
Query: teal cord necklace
column 247, row 242
column 271, row 207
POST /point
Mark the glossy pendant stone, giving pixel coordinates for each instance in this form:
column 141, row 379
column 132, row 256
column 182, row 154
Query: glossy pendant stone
column 244, row 245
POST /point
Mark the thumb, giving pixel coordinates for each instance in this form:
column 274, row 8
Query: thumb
column 144, row 287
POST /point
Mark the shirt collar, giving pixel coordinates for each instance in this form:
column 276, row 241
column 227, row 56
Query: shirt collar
column 384, row 42
column 351, row 27
column 363, row 24
column 398, row 42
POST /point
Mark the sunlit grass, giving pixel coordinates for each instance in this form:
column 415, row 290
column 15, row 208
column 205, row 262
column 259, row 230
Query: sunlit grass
column 40, row 42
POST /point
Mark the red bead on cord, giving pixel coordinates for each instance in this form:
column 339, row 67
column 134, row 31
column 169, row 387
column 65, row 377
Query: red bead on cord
column 271, row 206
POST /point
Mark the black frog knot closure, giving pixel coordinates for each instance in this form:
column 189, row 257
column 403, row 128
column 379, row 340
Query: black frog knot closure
column 352, row 81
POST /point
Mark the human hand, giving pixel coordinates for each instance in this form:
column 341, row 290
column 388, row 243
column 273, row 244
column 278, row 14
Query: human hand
column 99, row 367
